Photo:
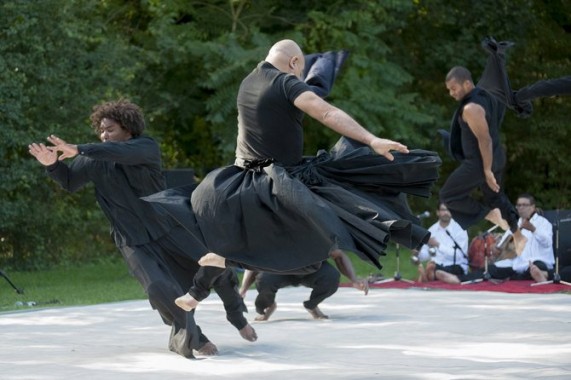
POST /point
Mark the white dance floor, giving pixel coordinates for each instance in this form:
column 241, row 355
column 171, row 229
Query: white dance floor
column 389, row 334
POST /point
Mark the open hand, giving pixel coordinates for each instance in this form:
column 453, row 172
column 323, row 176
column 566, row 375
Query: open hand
column 45, row 155
column 384, row 146
column 68, row 150
column 491, row 181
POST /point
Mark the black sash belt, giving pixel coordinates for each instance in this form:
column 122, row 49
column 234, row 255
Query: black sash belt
column 256, row 165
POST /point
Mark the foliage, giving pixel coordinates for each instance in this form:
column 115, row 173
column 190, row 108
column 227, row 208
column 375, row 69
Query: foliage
column 56, row 66
column 183, row 61
column 439, row 36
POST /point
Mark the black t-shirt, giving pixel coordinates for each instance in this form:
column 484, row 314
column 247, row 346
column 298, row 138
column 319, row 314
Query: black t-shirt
column 269, row 125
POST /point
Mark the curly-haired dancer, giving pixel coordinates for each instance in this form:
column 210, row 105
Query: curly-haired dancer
column 160, row 253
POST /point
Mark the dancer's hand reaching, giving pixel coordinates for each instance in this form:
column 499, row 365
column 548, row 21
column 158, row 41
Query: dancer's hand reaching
column 362, row 285
column 68, row 150
column 45, row 155
column 384, row 147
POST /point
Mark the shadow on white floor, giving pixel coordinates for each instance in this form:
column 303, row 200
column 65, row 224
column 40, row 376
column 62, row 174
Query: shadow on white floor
column 389, row 334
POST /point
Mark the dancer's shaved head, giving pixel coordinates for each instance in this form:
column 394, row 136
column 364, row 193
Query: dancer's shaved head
column 286, row 56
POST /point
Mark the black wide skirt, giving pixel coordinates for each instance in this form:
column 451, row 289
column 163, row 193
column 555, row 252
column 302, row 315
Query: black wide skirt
column 283, row 219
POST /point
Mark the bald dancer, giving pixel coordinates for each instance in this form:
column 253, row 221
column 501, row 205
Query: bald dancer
column 276, row 211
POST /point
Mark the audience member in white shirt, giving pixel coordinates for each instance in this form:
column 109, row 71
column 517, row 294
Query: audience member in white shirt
column 445, row 252
column 537, row 256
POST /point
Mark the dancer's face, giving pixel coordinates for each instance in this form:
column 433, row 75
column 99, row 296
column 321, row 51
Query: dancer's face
column 458, row 90
column 110, row 130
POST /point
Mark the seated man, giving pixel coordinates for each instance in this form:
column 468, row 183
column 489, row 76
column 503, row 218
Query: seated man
column 538, row 250
column 446, row 251
column 324, row 283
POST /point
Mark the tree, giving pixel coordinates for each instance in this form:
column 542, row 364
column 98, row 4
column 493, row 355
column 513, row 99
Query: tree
column 439, row 35
column 55, row 67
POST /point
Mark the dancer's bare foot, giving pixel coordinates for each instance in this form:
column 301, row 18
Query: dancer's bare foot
column 519, row 241
column 316, row 313
column 446, row 277
column 495, row 216
column 537, row 274
column 186, row 302
column 422, row 274
column 208, row 349
column 212, row 260
column 247, row 332
column 267, row 313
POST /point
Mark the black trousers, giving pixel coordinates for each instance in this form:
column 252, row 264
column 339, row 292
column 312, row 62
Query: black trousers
column 564, row 273
column 454, row 269
column 508, row 273
column 165, row 270
column 324, row 283
column 467, row 211
column 496, row 81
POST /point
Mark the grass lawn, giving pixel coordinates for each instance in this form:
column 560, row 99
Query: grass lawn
column 110, row 281
column 87, row 284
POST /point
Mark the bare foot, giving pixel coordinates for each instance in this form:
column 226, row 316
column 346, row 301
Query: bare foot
column 537, row 274
column 446, row 277
column 247, row 332
column 208, row 349
column 267, row 313
column 212, row 260
column 430, row 269
column 422, row 274
column 495, row 216
column 316, row 313
column 186, row 302
column 519, row 241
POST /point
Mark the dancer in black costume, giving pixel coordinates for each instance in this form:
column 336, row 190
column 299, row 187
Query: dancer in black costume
column 474, row 138
column 276, row 211
column 159, row 252
column 495, row 80
column 475, row 142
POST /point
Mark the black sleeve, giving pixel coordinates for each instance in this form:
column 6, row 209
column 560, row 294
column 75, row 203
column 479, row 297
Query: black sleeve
column 136, row 151
column 72, row 177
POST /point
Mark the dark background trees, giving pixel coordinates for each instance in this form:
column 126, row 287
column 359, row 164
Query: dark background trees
column 183, row 61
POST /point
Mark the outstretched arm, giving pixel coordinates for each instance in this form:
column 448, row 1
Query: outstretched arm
column 135, row 151
column 339, row 121
column 70, row 178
